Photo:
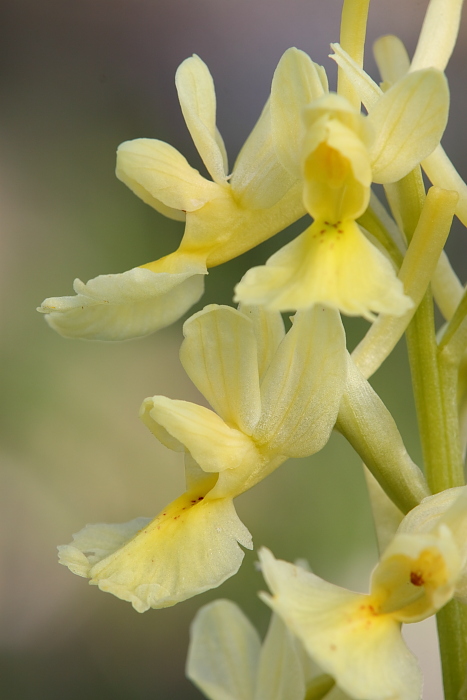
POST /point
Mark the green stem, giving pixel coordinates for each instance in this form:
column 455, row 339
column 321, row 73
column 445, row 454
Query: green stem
column 422, row 348
column 452, row 632
column 434, row 378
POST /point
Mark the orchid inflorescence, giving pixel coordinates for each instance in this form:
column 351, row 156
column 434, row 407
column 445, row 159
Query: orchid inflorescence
column 277, row 395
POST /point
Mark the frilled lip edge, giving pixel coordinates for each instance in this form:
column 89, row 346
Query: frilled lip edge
column 127, row 305
column 189, row 548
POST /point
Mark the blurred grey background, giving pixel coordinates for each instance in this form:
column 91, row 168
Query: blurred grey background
column 76, row 79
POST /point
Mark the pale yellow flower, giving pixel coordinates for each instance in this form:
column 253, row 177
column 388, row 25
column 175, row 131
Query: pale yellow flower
column 356, row 638
column 224, row 217
column 227, row 661
column 341, row 153
column 275, row 396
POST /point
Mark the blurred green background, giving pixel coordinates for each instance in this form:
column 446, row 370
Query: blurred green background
column 76, row 79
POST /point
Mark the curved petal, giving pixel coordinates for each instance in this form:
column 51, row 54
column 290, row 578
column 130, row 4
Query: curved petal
column 303, row 386
column 95, row 542
column 280, row 671
column 297, row 81
column 210, row 441
column 224, row 229
column 391, row 58
column 363, row 651
column 190, row 547
column 438, row 36
column 157, row 173
column 408, row 122
column 334, row 265
column 219, row 355
column 258, row 179
column 197, row 97
column 365, row 87
column 224, row 652
column 126, row 305
column 269, row 331
column 433, row 510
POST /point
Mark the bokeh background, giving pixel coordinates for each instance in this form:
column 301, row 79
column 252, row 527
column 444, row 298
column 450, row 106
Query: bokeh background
column 76, row 79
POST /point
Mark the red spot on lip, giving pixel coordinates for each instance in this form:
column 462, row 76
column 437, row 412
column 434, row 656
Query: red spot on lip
column 200, row 498
column 416, row 578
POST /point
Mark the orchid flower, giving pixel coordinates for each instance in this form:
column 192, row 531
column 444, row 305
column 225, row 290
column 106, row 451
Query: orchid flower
column 224, row 217
column 227, row 661
column 355, row 637
column 275, row 396
column 339, row 154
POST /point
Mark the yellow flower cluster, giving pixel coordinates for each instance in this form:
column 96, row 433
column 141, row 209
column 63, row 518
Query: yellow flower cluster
column 277, row 395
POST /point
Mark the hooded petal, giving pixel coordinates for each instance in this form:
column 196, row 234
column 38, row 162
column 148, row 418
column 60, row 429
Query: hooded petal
column 448, row 508
column 209, row 440
column 224, row 652
column 219, row 355
column 330, row 264
column 363, row 651
column 158, row 174
column 416, row 575
column 337, row 172
column 303, row 386
column 127, row 305
column 188, row 548
column 408, row 122
column 297, row 81
column 197, row 97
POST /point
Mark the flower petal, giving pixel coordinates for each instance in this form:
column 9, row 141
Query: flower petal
column 219, row 355
column 303, row 386
column 337, row 171
column 224, row 652
column 438, row 36
column 258, row 179
column 416, row 575
column 324, row 266
column 366, row 88
column 447, row 508
column 197, row 97
column 280, row 671
column 269, row 331
column 209, row 440
column 126, row 305
column 157, row 173
column 297, row 81
column 95, row 542
column 189, row 548
column 363, row 651
column 391, row 58
column 223, row 228
column 408, row 122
